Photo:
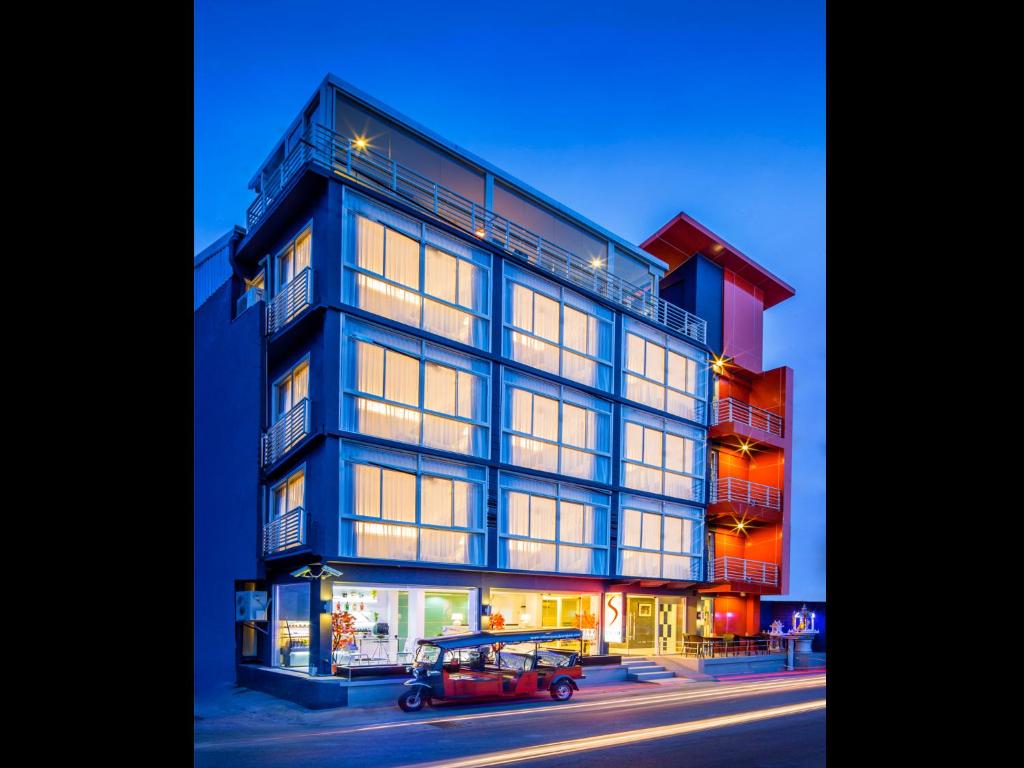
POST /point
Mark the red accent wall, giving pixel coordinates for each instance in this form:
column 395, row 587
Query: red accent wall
column 774, row 391
column 745, row 615
column 743, row 307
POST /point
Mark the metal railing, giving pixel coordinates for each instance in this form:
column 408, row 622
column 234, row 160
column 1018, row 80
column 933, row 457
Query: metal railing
column 285, row 532
column 716, row 647
column 746, row 492
column 730, row 409
column 341, row 156
column 750, row 571
column 286, row 432
column 293, row 298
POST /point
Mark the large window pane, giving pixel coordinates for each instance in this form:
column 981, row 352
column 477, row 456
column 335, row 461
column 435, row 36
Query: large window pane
column 542, row 518
column 402, row 378
column 440, row 388
column 440, row 278
column 437, row 501
column 402, row 259
column 545, row 317
column 398, row 496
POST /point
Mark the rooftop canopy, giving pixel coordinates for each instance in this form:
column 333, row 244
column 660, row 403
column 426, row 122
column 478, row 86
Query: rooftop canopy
column 486, row 638
column 683, row 236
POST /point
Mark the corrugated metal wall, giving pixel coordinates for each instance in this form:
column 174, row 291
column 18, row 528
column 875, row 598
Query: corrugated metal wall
column 211, row 268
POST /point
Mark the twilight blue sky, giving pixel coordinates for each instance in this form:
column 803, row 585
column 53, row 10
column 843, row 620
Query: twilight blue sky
column 625, row 112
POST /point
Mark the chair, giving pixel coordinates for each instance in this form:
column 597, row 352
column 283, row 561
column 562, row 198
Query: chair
column 408, row 650
column 728, row 638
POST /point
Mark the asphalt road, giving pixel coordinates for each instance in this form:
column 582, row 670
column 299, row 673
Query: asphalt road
column 774, row 722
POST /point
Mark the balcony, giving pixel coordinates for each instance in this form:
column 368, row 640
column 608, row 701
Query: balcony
column 733, row 489
column 730, row 410
column 285, row 532
column 285, row 433
column 340, row 156
column 293, row 298
column 738, row 569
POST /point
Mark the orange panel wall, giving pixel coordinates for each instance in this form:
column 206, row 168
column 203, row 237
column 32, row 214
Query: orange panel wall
column 739, row 615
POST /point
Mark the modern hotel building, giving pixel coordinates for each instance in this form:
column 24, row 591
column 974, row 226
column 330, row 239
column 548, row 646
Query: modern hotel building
column 477, row 406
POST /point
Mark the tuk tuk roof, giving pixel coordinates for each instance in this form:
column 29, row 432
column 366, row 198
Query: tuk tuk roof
column 486, row 638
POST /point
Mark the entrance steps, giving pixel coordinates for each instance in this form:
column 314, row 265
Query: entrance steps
column 642, row 670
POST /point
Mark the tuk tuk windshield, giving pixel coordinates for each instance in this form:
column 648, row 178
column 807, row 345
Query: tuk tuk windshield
column 427, row 654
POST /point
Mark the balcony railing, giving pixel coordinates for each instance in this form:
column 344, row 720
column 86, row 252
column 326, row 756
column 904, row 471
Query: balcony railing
column 746, row 492
column 340, row 155
column 730, row 409
column 286, row 432
column 292, row 299
column 749, row 571
column 285, row 532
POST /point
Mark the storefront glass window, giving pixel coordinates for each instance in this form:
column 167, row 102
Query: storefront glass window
column 291, row 626
column 519, row 610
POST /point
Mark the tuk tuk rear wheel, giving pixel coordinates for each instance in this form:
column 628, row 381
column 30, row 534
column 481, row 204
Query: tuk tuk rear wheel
column 561, row 691
column 412, row 701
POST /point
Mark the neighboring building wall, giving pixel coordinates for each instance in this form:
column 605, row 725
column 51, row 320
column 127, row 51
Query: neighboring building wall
column 212, row 267
column 227, row 405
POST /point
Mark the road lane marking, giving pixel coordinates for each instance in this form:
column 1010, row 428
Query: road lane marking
column 681, row 697
column 560, row 748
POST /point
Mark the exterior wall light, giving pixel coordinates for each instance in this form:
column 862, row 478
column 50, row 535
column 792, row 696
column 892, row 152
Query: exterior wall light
column 360, row 142
column 306, row 572
column 719, row 364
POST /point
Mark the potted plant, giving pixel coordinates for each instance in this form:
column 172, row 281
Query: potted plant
column 343, row 631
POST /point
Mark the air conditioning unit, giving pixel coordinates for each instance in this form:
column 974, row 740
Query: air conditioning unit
column 250, row 298
column 250, row 606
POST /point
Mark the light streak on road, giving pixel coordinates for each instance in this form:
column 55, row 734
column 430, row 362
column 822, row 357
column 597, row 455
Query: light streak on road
column 560, row 748
column 717, row 693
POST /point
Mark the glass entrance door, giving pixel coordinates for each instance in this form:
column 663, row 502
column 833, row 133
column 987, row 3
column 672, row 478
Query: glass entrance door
column 671, row 624
column 640, row 624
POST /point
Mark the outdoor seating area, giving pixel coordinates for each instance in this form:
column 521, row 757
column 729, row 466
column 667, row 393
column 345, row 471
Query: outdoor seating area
column 719, row 646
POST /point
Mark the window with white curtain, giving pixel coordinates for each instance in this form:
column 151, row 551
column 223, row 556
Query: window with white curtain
column 557, row 330
column 551, row 527
column 400, row 506
column 662, row 456
column 293, row 259
column 401, row 269
column 663, row 372
column 659, row 539
column 290, row 390
column 288, row 495
column 409, row 390
column 555, row 428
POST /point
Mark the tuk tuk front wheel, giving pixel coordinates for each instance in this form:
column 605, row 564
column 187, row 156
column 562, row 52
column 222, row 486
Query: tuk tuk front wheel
column 412, row 701
column 561, row 691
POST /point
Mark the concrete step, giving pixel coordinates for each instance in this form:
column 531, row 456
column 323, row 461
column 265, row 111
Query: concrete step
column 659, row 674
column 633, row 661
column 640, row 665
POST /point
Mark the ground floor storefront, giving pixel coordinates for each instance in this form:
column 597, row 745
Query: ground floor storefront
column 370, row 617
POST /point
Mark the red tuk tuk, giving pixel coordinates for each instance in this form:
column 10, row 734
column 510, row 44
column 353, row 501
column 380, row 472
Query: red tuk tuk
column 483, row 665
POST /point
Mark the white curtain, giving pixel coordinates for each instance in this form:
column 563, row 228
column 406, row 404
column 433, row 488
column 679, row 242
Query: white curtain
column 653, row 447
column 651, row 531
column 296, row 491
column 679, row 486
column 530, row 555
column 518, row 511
column 300, row 386
column 390, row 542
column 643, row 478
column 534, row 352
column 579, row 368
column 522, row 307
column 440, row 388
column 402, row 259
column 370, row 368
column 542, row 518
column 655, row 362
column 401, row 378
column 522, row 411
column 447, row 321
column 675, row 452
column 634, row 448
column 369, row 245
column 444, row 546
column 533, row 454
column 640, row 563
column 365, row 490
column 575, row 330
column 284, row 398
column 575, row 559
column 681, row 405
column 447, row 434
column 634, row 353
column 437, row 501
column 440, row 275
column 574, row 425
column 463, row 504
column 646, row 392
column 545, row 417
column 630, row 533
column 471, row 395
column 387, row 300
column 674, row 535
column 677, row 567
column 471, row 287
column 545, row 317
column 571, row 527
column 398, row 496
column 578, row 463
column 303, row 251
column 389, row 421
column 280, row 503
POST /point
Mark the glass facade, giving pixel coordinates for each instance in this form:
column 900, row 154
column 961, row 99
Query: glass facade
column 663, row 372
column 554, row 428
column 412, row 391
column 659, row 539
column 662, row 456
column 411, row 508
column 556, row 330
column 402, row 269
column 551, row 527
